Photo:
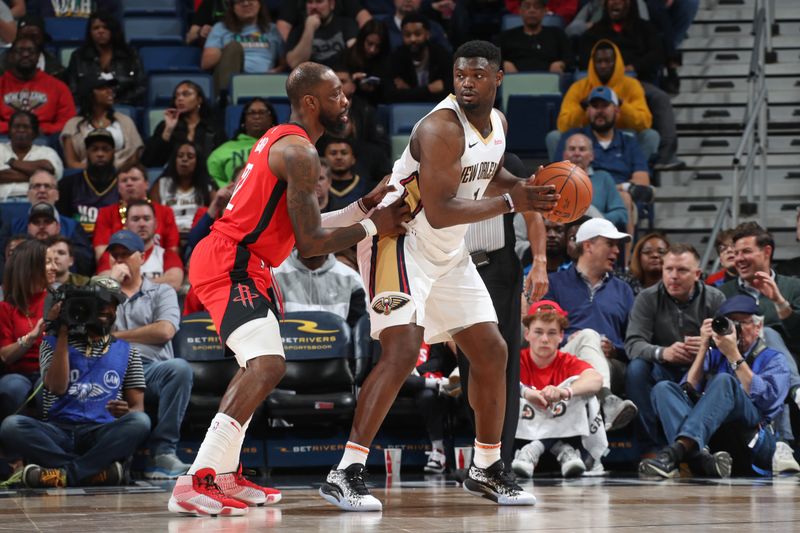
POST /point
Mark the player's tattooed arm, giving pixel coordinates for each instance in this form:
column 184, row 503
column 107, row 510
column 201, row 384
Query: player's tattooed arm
column 302, row 173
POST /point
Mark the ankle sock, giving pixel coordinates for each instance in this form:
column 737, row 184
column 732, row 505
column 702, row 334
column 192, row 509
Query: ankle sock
column 485, row 455
column 222, row 434
column 353, row 453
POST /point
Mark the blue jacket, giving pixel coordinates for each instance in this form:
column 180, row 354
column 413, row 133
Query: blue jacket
column 770, row 383
column 621, row 159
column 606, row 312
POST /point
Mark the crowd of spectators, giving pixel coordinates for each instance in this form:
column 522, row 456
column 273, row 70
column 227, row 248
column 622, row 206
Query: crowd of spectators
column 112, row 202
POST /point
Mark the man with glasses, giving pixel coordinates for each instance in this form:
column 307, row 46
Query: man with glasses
column 43, row 188
column 26, row 88
column 664, row 333
column 20, row 158
column 598, row 304
column 740, row 383
column 723, row 244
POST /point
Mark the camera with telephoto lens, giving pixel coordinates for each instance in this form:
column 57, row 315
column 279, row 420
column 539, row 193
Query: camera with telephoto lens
column 81, row 306
column 723, row 325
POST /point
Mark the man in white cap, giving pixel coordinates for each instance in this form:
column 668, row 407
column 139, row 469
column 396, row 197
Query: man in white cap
column 598, row 304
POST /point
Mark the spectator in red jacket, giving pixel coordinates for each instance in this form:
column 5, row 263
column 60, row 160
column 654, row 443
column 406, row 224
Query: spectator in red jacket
column 132, row 185
column 26, row 88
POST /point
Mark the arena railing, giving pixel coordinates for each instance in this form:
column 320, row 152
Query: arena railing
column 752, row 147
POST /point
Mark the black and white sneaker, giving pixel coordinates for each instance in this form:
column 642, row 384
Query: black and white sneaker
column 494, row 484
column 346, row 489
column 664, row 464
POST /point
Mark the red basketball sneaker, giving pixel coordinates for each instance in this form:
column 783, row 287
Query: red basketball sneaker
column 198, row 495
column 235, row 485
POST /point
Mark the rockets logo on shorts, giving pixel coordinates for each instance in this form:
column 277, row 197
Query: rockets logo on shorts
column 387, row 304
column 245, row 296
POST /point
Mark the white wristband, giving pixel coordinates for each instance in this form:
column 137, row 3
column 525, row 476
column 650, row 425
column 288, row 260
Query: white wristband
column 369, row 227
column 509, row 201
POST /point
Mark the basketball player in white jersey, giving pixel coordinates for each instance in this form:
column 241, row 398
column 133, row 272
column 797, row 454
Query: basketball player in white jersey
column 424, row 284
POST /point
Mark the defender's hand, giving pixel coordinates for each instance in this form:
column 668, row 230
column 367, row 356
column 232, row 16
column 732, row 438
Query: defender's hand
column 374, row 197
column 390, row 220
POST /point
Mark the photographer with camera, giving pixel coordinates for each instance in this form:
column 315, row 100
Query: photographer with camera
column 148, row 320
column 93, row 398
column 736, row 380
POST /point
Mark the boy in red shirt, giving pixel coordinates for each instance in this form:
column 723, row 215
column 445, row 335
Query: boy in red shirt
column 543, row 371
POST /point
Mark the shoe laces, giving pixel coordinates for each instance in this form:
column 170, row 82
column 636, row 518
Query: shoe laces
column 507, row 480
column 208, row 484
column 356, row 479
column 50, row 477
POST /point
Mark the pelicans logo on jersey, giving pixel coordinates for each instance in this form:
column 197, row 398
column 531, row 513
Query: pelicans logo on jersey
column 387, row 304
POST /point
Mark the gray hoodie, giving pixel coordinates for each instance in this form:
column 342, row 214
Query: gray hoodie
column 334, row 287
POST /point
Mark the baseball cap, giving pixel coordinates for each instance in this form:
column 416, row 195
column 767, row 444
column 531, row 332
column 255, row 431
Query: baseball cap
column 34, row 20
column 104, row 79
column 42, row 209
column 128, row 240
column 604, row 93
column 545, row 306
column 107, row 289
column 739, row 304
column 100, row 134
column 599, row 227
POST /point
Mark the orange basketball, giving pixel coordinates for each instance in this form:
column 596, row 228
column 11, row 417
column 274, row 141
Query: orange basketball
column 574, row 186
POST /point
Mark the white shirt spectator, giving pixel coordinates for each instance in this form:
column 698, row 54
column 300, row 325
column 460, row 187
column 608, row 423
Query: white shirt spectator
column 19, row 191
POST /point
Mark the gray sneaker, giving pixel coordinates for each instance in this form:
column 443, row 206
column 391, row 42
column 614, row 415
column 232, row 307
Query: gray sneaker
column 617, row 412
column 165, row 466
column 526, row 459
column 571, row 462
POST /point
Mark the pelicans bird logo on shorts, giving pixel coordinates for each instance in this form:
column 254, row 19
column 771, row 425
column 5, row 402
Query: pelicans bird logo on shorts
column 387, row 304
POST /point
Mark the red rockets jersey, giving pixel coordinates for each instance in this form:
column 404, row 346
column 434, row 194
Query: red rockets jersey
column 256, row 216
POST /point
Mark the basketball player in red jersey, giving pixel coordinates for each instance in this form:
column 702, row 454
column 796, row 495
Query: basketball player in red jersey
column 273, row 208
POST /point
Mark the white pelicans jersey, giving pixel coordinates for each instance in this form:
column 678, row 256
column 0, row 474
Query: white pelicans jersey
column 479, row 163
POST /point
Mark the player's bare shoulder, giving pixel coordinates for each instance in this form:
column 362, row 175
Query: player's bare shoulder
column 293, row 157
column 441, row 131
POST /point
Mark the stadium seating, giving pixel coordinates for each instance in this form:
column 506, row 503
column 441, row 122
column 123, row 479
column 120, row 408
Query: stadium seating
column 529, row 83
column 402, row 118
column 152, row 7
column 151, row 119
column 318, row 387
column 534, row 116
column 247, row 86
column 142, row 31
column 66, row 29
column 170, row 58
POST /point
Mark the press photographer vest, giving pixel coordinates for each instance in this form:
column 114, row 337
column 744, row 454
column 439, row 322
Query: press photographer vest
column 93, row 382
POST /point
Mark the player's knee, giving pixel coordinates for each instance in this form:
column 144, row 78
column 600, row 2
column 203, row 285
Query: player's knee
column 493, row 354
column 267, row 370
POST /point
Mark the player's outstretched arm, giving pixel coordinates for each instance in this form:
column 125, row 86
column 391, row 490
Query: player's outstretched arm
column 301, row 171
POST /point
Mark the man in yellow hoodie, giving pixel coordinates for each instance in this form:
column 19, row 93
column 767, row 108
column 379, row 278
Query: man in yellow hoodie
column 634, row 114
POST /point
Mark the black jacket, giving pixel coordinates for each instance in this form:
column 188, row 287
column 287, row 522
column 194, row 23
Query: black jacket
column 84, row 68
column 157, row 150
column 440, row 67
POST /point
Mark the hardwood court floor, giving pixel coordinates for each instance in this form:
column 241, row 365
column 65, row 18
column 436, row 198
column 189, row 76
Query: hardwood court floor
column 435, row 506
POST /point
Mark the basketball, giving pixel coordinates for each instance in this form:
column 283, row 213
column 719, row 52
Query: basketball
column 574, row 186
